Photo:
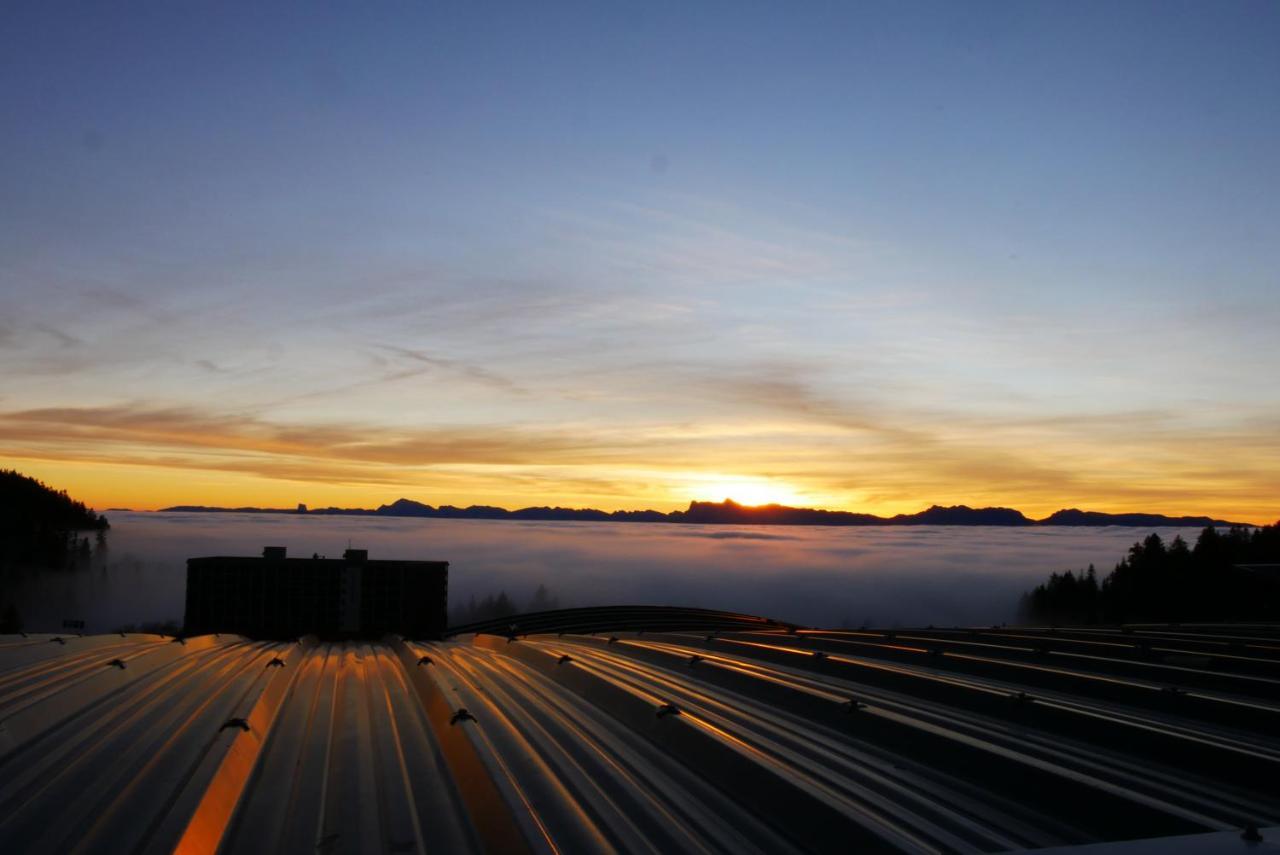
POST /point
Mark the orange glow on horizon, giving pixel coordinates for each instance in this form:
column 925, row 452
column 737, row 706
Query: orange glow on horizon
column 104, row 485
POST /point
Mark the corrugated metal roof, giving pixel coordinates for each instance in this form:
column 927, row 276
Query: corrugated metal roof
column 740, row 741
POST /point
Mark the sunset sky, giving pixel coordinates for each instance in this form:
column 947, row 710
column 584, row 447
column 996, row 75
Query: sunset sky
column 851, row 255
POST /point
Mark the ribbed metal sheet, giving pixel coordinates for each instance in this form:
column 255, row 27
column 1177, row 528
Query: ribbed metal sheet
column 769, row 740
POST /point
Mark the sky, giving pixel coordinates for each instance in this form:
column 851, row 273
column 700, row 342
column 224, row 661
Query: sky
column 866, row 256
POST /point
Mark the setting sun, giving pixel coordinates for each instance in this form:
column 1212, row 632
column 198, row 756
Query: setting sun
column 745, row 491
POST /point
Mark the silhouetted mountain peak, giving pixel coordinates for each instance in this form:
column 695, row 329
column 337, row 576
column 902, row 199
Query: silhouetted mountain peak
column 403, row 507
column 1075, row 516
column 964, row 515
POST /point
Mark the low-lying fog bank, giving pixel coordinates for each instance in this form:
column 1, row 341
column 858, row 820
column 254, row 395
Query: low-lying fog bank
column 812, row 575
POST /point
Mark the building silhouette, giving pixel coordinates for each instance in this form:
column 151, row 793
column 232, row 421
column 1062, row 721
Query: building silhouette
column 278, row 597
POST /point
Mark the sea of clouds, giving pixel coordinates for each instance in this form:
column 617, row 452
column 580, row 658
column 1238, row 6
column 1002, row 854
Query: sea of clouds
column 879, row 576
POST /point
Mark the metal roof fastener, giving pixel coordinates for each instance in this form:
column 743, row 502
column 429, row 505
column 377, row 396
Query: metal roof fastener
column 1022, row 697
column 695, row 659
column 819, row 654
column 853, row 705
column 563, row 659
column 668, row 709
column 177, row 639
column 424, row 660
column 241, row 723
column 276, row 662
column 119, row 663
column 461, row 715
column 1251, row 834
column 58, row 639
column 613, row 639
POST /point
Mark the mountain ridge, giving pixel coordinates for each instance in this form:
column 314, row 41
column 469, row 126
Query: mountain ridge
column 729, row 512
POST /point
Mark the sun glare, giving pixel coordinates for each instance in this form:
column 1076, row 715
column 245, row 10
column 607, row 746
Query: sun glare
column 746, row 491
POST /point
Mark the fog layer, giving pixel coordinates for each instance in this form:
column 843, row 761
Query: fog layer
column 811, row 575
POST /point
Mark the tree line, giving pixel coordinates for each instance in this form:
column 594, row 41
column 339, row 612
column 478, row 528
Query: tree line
column 42, row 527
column 1229, row 575
column 500, row 605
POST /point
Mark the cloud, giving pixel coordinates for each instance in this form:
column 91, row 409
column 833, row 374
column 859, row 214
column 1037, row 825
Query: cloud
column 456, row 367
column 739, row 535
column 64, row 339
column 178, row 427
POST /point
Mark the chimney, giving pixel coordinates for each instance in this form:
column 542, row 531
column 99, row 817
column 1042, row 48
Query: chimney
column 356, row 556
column 273, row 553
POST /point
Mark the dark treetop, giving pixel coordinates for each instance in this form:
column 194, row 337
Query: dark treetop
column 1229, row 575
column 39, row 525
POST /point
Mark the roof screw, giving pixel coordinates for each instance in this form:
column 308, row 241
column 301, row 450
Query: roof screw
column 1251, row 834
column 424, row 660
column 58, row 639
column 563, row 659
column 668, row 709
column 1042, row 650
column 853, row 705
column 819, row 654
column 695, row 659
column 613, row 639
column 711, row 637
column 241, row 723
column 461, row 715
column 119, row 663
column 177, row 639
column 1022, row 697
column 122, row 635
column 1174, row 690
column 276, row 662
column 936, row 652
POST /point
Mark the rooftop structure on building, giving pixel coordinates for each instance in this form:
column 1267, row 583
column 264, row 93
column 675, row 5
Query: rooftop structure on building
column 278, row 597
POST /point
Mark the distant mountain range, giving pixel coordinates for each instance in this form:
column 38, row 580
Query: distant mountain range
column 729, row 512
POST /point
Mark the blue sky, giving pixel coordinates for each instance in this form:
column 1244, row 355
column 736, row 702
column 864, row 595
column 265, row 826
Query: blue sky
column 859, row 255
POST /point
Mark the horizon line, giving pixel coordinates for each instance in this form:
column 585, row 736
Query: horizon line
column 303, row 508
